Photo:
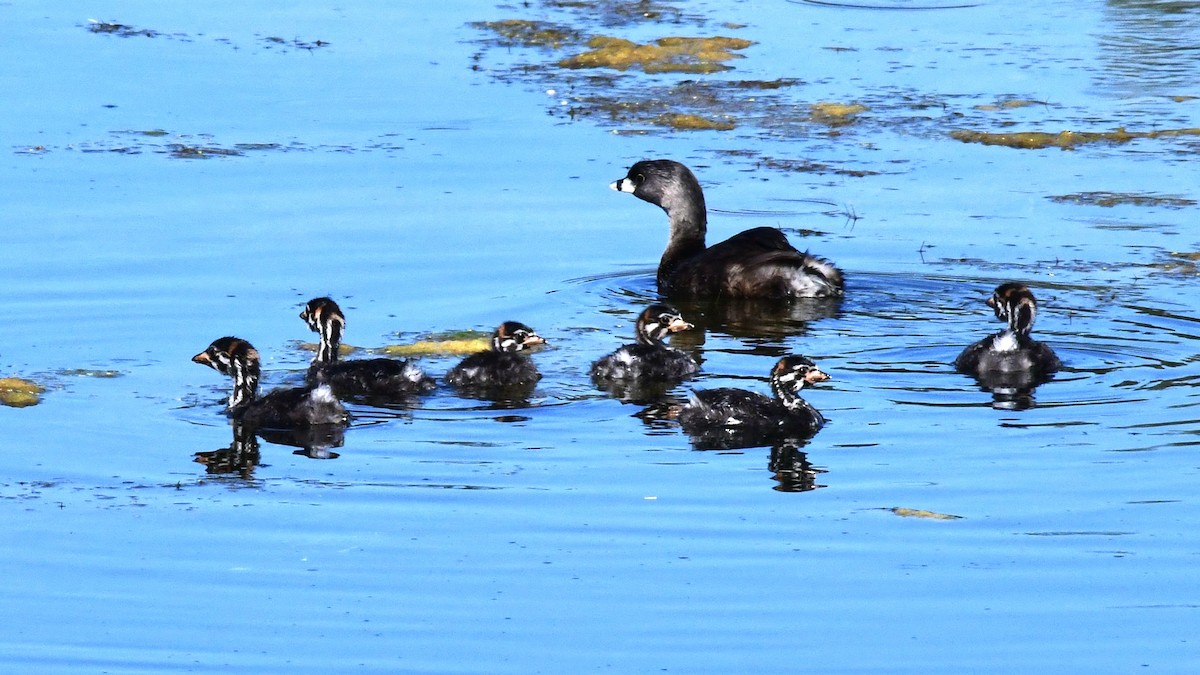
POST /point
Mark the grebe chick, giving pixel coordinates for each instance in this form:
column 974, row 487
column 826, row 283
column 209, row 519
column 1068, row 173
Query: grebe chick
column 1011, row 352
column 279, row 409
column 752, row 415
column 501, row 366
column 378, row 379
column 756, row 263
column 649, row 359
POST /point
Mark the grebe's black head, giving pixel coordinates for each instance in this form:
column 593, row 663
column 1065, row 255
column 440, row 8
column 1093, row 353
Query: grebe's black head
column 321, row 311
column 796, row 371
column 657, row 322
column 513, row 336
column 238, row 359
column 1015, row 305
column 228, row 354
column 325, row 318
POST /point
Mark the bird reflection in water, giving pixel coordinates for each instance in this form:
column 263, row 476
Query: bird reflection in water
column 791, row 467
column 243, row 454
column 748, row 318
column 239, row 458
column 1011, row 391
column 788, row 463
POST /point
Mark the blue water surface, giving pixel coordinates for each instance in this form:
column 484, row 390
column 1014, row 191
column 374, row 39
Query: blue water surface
column 210, row 168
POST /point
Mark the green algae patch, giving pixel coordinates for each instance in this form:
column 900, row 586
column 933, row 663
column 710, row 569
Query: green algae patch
column 1066, row 140
column 922, row 513
column 343, row 349
column 1111, row 199
column 439, row 346
column 665, row 55
column 836, row 114
column 450, row 342
column 16, row 392
column 689, row 122
column 530, row 33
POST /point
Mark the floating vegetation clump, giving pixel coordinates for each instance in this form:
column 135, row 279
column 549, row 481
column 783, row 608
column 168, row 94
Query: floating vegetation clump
column 836, row 114
column 295, row 43
column 665, row 55
column 465, row 342
column 1180, row 262
column 602, row 72
column 1110, row 199
column 17, row 392
column 343, row 348
column 765, row 85
column 180, row 151
column 1066, row 140
column 922, row 513
column 454, row 342
column 624, row 13
column 186, row 146
column 272, row 42
column 119, row 29
column 809, row 166
column 604, row 82
column 531, row 33
column 90, row 372
column 1009, row 104
column 691, row 122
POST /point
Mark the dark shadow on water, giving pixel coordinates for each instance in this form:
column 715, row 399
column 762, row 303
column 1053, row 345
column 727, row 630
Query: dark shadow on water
column 636, row 392
column 500, row 398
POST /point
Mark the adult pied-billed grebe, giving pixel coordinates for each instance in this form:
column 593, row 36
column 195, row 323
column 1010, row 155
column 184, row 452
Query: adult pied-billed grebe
column 1011, row 352
column 380, row 379
column 751, row 414
column 756, row 263
column 502, row 365
column 649, row 359
column 279, row 409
